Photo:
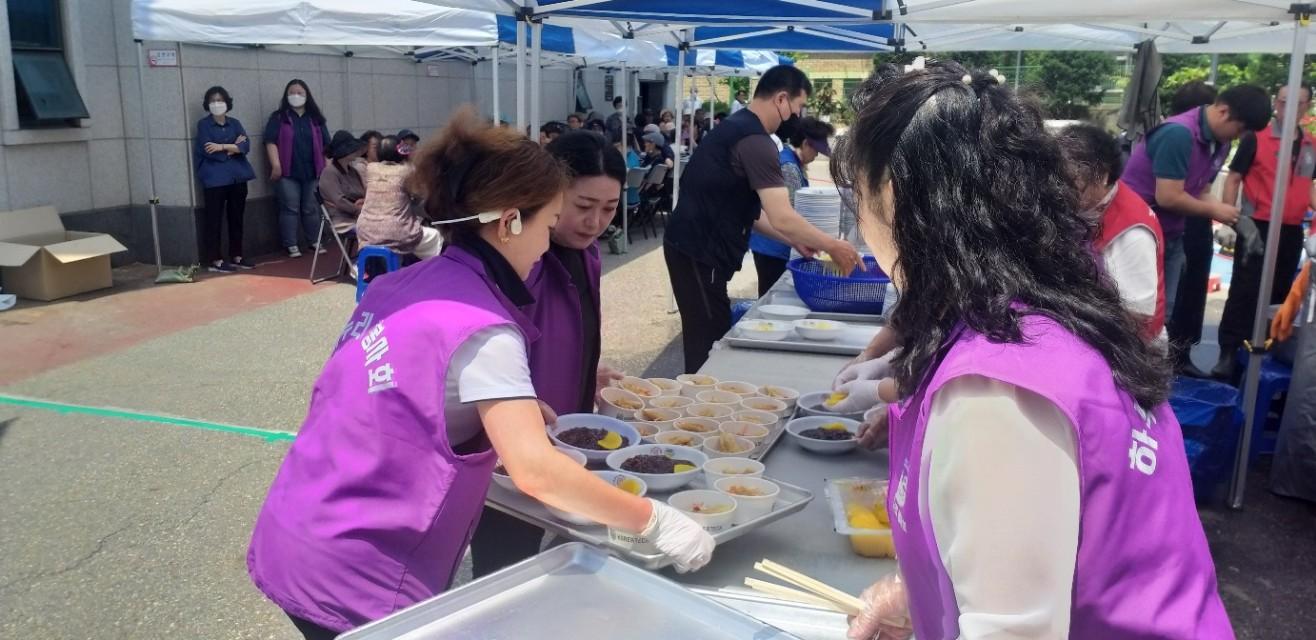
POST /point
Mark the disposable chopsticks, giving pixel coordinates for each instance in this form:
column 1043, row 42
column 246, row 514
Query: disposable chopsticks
column 840, row 600
column 789, row 594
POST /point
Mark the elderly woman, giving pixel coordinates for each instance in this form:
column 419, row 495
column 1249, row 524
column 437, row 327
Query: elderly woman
column 390, row 216
column 342, row 184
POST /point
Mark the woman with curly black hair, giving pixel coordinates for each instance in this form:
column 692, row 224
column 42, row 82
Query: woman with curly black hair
column 1039, row 486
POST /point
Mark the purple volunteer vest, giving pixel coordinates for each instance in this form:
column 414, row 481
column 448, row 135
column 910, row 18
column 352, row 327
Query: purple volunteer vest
column 285, row 146
column 1143, row 569
column 557, row 362
column 1203, row 166
column 371, row 510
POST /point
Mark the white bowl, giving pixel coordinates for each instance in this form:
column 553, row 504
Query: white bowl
column 660, row 482
column 742, row 389
column 693, row 383
column 811, row 404
column 771, row 330
column 714, row 412
column 719, row 468
column 667, row 386
column 611, row 396
column 750, row 508
column 505, row 481
column 718, row 397
column 647, row 430
column 639, row 387
column 661, row 417
column 687, row 501
column 766, row 405
column 756, row 433
column 677, row 403
column 613, row 478
column 593, row 421
column 828, row 447
column 820, row 330
column 783, row 312
column 757, row 417
column 680, row 439
column 778, row 392
column 744, row 447
column 700, row 426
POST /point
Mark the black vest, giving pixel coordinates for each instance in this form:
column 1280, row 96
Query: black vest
column 717, row 208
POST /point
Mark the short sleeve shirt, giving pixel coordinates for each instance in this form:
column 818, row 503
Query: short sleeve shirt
column 757, row 159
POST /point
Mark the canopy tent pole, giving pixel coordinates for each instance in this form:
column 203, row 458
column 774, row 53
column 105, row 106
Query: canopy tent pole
column 1018, row 68
column 1215, row 67
column 536, row 69
column 712, row 99
column 680, row 102
column 571, row 95
column 625, row 142
column 1261, row 324
column 520, row 76
column 150, row 163
column 497, row 108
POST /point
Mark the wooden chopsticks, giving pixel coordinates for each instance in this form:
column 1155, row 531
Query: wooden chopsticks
column 809, row 588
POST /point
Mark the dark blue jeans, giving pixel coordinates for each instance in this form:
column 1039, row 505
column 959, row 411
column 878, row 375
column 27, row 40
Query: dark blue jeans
column 297, row 206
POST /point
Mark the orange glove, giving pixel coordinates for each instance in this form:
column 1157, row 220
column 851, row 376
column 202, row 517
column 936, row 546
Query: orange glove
column 1282, row 326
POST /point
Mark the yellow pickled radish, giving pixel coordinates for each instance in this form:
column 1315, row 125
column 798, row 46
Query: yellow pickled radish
column 836, row 397
column 630, row 485
column 833, row 426
column 882, row 516
column 861, row 518
column 611, row 441
column 873, row 545
column 682, row 468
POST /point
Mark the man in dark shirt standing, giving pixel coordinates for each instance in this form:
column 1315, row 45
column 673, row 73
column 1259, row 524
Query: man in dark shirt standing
column 733, row 176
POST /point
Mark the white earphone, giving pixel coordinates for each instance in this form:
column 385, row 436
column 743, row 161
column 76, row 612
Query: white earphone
column 486, row 218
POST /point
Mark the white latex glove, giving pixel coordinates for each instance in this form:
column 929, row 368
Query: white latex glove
column 874, row 369
column 886, row 611
column 874, row 432
column 680, row 537
column 862, row 397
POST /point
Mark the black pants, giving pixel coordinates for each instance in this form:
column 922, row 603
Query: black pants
column 701, row 296
column 310, row 630
column 1185, row 325
column 769, row 269
column 501, row 541
column 230, row 201
column 1241, row 306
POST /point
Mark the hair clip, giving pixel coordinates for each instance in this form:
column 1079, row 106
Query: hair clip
column 967, row 79
column 997, row 76
column 919, row 64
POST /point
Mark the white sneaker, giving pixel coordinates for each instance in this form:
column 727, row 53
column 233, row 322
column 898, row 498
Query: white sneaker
column 294, row 252
column 321, row 250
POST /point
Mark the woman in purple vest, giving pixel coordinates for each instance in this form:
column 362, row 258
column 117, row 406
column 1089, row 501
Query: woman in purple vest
column 295, row 139
column 1039, row 486
column 428, row 387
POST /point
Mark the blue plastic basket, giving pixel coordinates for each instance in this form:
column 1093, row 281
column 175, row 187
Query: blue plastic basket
column 822, row 290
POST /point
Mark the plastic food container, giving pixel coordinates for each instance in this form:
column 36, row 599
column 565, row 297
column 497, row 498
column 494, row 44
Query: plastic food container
column 619, row 403
column 680, row 439
column 693, row 383
column 777, row 392
column 639, row 387
column 755, row 433
column 712, row 510
column 767, row 405
column 826, row 447
column 660, row 482
column 718, row 397
column 667, row 386
column 712, row 444
column 820, row 330
column 742, row 389
column 732, row 467
column 677, row 403
column 592, row 421
column 749, row 507
column 771, row 330
column 859, row 512
column 783, row 312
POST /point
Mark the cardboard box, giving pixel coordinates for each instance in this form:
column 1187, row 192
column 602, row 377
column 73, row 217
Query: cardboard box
column 41, row 260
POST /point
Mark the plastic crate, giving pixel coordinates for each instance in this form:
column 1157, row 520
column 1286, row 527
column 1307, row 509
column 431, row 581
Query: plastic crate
column 824, row 291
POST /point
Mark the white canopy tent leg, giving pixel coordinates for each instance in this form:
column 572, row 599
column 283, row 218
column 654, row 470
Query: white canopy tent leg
column 536, row 68
column 625, row 142
column 520, row 76
column 497, row 108
column 1261, row 324
column 1215, row 68
column 150, row 163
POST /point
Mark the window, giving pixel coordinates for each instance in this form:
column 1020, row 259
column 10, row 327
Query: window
column 46, row 92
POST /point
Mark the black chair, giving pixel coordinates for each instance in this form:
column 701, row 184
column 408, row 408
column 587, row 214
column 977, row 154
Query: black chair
column 652, row 194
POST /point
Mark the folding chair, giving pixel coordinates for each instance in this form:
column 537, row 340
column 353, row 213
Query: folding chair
column 345, row 262
column 651, row 195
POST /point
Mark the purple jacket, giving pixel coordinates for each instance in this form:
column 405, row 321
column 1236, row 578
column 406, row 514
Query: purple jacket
column 1143, row 569
column 558, row 362
column 371, row 510
column 1203, row 166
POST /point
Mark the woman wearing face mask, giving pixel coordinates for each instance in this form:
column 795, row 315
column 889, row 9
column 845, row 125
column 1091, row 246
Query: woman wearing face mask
column 803, row 146
column 1033, row 454
column 375, row 502
column 295, row 139
column 564, row 362
column 220, row 154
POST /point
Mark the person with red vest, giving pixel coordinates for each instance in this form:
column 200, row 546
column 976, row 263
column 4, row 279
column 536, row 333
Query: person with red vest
column 1254, row 168
column 1125, row 230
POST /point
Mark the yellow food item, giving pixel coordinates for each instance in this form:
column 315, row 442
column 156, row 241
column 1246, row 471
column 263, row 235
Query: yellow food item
column 869, row 545
column 762, row 326
column 833, row 426
column 744, row 491
column 835, row 398
column 879, row 510
column 627, row 403
column 643, row 392
column 682, row 468
column 680, row 440
column 611, row 441
column 629, row 485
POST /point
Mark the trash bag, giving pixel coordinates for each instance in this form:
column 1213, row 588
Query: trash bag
column 1209, row 416
column 1293, row 472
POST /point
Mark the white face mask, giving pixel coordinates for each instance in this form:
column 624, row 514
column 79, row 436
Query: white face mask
column 1093, row 215
column 218, row 108
column 296, row 100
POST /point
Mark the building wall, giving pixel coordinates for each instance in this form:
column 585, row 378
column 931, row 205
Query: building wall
column 98, row 176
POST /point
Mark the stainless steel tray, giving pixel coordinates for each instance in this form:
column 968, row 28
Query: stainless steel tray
column 774, row 436
column 790, row 500
column 804, row 621
column 851, row 342
column 571, row 591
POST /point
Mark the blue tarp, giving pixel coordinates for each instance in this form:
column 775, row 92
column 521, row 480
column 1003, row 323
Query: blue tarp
column 556, row 39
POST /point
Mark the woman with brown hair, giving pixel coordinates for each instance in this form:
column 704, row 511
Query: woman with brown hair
column 428, row 388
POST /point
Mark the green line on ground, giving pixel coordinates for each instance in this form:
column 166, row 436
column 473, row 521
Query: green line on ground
column 121, row 414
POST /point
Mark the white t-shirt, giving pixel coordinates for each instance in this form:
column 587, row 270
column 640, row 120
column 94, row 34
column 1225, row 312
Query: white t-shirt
column 737, row 105
column 1131, row 262
column 1003, row 493
column 490, row 365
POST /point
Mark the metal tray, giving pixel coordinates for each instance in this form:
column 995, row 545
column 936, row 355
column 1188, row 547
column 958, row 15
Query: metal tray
column 803, row 621
column 790, row 500
column 571, row 591
column 774, row 436
column 851, row 342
